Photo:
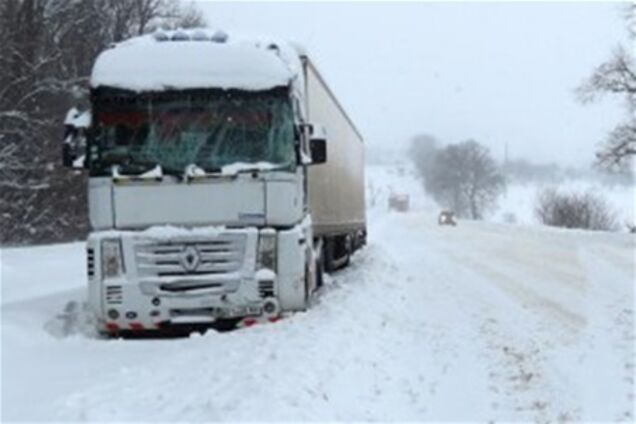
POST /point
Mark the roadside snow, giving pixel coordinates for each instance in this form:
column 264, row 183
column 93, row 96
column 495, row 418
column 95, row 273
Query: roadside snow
column 482, row 321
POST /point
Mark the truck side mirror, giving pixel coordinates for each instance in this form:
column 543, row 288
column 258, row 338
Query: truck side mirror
column 318, row 149
column 74, row 144
column 317, row 136
column 74, row 149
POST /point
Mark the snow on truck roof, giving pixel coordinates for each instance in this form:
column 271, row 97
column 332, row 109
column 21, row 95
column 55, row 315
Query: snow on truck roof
column 200, row 58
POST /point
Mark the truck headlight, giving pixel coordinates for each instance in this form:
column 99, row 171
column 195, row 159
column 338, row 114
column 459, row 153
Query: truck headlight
column 112, row 261
column 266, row 257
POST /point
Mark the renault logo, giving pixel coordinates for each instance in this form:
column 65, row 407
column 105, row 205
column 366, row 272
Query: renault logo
column 190, row 258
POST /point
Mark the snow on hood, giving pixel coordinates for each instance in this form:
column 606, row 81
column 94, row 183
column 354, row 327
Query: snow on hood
column 235, row 168
column 173, row 232
column 148, row 64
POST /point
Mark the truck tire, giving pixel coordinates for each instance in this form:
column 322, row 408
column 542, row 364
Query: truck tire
column 308, row 277
column 347, row 249
column 320, row 278
column 328, row 254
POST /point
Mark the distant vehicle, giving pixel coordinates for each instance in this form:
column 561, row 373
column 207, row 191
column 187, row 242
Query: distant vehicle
column 446, row 218
column 214, row 194
column 399, row 202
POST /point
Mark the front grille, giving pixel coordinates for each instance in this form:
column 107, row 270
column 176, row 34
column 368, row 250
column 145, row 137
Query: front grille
column 222, row 255
column 266, row 288
column 205, row 312
column 187, row 286
column 114, row 295
column 90, row 262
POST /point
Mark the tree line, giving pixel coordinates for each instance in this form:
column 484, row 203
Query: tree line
column 47, row 49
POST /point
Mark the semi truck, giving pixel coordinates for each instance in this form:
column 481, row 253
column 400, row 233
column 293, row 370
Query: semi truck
column 224, row 178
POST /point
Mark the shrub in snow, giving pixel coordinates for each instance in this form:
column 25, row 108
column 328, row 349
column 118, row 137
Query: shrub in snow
column 575, row 210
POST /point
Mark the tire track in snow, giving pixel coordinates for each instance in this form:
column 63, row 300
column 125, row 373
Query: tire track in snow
column 525, row 379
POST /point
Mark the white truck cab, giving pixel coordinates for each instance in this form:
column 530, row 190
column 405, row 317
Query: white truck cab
column 203, row 164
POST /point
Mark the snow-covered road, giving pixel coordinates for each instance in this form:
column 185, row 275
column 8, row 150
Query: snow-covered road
column 481, row 321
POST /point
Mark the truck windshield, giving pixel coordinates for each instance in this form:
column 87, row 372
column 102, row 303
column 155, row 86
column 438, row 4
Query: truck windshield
column 175, row 130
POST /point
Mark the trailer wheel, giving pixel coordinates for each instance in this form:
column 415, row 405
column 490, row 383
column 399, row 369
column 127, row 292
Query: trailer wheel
column 347, row 248
column 337, row 252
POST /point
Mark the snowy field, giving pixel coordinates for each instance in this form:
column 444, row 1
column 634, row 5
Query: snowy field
column 483, row 321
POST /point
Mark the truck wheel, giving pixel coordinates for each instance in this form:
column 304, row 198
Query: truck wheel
column 328, row 254
column 307, row 287
column 319, row 273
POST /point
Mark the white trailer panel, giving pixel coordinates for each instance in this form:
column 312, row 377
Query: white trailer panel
column 336, row 188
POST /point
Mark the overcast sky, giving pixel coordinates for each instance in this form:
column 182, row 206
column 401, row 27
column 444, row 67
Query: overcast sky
column 496, row 72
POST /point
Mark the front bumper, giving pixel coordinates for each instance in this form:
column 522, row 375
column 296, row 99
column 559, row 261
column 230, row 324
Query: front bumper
column 132, row 306
column 156, row 290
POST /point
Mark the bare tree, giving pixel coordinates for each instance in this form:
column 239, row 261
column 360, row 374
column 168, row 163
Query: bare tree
column 616, row 76
column 620, row 147
column 46, row 54
column 465, row 178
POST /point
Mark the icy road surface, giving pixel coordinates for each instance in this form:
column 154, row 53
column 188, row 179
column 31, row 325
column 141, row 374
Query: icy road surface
column 480, row 321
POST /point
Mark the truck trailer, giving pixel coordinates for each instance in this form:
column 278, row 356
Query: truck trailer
column 224, row 177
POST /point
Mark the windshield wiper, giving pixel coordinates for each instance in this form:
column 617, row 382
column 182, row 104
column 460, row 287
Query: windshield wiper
column 152, row 171
column 194, row 171
column 155, row 173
